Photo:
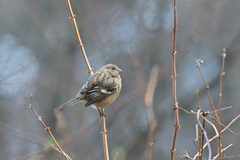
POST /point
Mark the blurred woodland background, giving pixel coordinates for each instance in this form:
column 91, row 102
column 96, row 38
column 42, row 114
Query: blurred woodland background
column 39, row 55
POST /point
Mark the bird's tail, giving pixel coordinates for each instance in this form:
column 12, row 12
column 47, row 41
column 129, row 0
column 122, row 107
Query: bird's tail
column 67, row 104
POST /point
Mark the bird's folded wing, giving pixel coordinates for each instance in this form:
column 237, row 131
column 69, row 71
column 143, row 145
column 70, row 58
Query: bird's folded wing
column 99, row 93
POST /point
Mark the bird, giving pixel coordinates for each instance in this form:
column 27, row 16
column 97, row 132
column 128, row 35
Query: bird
column 101, row 89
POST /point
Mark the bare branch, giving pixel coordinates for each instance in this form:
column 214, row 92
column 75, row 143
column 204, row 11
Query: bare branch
column 48, row 130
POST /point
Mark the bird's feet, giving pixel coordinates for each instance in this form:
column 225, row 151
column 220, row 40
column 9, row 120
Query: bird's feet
column 102, row 113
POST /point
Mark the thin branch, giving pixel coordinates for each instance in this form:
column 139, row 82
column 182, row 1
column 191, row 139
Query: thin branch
column 224, row 149
column 150, row 150
column 225, row 126
column 221, row 79
column 60, row 152
column 104, row 135
column 148, row 99
column 152, row 124
column 48, row 130
column 80, row 133
column 217, row 135
column 200, row 133
column 174, row 78
column 205, row 135
column 137, row 69
column 215, row 129
column 90, row 70
column 219, row 103
column 72, row 17
column 115, row 156
column 185, row 156
column 228, row 157
column 214, row 111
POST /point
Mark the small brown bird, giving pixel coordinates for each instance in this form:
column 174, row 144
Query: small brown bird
column 101, row 89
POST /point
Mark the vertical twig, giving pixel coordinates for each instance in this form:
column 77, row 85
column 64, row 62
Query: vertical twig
column 219, row 102
column 199, row 61
column 174, row 77
column 148, row 99
column 90, row 70
column 72, row 17
column 104, row 135
column 205, row 134
column 150, row 150
column 152, row 124
column 221, row 79
column 199, row 130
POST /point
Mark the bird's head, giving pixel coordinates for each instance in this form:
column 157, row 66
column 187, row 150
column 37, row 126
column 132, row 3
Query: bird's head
column 112, row 69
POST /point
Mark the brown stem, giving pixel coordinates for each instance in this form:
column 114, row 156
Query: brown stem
column 72, row 17
column 219, row 103
column 104, row 134
column 200, row 134
column 218, row 135
column 150, row 150
column 148, row 99
column 48, row 130
column 152, row 124
column 214, row 111
column 174, row 77
column 90, row 70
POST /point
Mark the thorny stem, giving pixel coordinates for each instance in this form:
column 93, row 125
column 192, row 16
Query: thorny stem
column 174, row 77
column 90, row 70
column 48, row 130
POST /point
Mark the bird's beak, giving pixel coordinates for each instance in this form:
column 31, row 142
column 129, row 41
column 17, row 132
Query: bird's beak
column 119, row 70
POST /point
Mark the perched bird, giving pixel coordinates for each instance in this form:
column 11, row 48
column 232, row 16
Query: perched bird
column 101, row 89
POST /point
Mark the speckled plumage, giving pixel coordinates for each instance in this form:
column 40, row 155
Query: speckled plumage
column 101, row 89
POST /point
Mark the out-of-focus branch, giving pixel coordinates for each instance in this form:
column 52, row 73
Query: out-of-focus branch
column 21, row 134
column 63, row 129
column 152, row 124
column 137, row 69
column 174, row 78
column 148, row 99
column 90, row 70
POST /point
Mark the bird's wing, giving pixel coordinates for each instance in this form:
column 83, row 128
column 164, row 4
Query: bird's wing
column 101, row 91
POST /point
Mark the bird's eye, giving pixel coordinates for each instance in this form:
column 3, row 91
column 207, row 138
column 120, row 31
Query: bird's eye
column 113, row 68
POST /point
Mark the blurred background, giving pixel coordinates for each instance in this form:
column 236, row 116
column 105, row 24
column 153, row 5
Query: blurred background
column 39, row 55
